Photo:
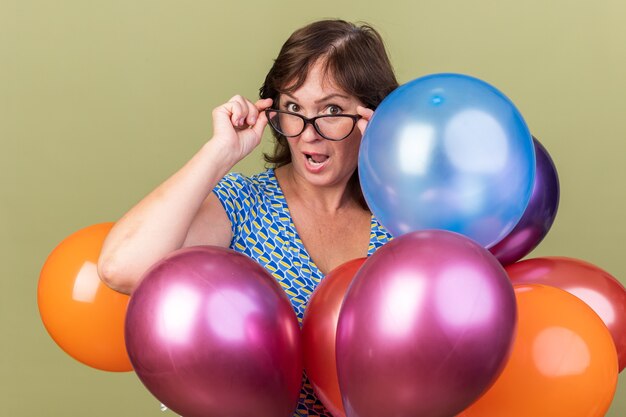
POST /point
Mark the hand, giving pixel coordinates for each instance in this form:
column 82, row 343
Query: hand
column 366, row 114
column 238, row 125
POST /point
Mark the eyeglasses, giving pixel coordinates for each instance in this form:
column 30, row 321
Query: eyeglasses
column 333, row 127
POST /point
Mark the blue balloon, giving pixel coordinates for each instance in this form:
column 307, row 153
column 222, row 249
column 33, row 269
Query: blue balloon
column 451, row 152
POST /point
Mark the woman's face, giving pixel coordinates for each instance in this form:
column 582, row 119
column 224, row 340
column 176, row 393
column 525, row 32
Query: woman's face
column 317, row 160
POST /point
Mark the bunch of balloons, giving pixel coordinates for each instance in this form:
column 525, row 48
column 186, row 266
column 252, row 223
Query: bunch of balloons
column 441, row 321
column 432, row 324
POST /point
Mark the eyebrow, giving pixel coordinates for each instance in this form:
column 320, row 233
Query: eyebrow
column 323, row 99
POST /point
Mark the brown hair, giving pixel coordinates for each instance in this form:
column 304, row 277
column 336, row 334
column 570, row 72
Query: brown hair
column 354, row 55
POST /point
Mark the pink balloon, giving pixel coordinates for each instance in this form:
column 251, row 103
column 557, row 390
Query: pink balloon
column 211, row 333
column 425, row 327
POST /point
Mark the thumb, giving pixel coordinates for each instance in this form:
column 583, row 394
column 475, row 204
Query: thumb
column 260, row 124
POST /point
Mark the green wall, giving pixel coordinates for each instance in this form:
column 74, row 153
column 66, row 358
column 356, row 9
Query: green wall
column 100, row 101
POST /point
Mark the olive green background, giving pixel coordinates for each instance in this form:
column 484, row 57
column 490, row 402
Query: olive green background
column 101, row 101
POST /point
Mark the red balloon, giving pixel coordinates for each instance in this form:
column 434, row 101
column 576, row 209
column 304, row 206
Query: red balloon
column 425, row 328
column 211, row 333
column 319, row 328
column 596, row 287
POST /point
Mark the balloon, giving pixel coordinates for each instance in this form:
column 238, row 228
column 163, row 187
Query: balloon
column 425, row 328
column 539, row 215
column 447, row 151
column 596, row 287
column 563, row 362
column 319, row 328
column 83, row 316
column 211, row 333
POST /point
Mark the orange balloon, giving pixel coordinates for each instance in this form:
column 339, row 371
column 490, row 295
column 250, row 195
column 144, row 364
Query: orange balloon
column 563, row 362
column 319, row 327
column 83, row 316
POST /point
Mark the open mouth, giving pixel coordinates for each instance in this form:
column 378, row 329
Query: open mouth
column 316, row 159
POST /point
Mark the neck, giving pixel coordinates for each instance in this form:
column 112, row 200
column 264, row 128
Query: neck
column 327, row 199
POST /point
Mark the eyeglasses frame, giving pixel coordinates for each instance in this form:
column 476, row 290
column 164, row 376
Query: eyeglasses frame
column 311, row 121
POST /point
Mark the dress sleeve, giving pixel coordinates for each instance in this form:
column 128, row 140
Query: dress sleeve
column 234, row 193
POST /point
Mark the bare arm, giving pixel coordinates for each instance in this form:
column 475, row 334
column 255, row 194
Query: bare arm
column 183, row 211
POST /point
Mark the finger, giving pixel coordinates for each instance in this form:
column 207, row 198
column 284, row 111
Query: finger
column 264, row 103
column 361, row 125
column 254, row 110
column 236, row 112
column 240, row 110
column 260, row 124
column 253, row 113
column 230, row 111
column 364, row 112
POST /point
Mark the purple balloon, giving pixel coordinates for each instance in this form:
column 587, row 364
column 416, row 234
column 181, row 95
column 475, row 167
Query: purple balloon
column 210, row 333
column 539, row 214
column 425, row 327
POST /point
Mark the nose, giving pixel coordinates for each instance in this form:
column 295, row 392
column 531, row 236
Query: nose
column 310, row 134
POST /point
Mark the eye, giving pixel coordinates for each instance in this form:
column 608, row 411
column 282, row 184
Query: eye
column 292, row 107
column 333, row 109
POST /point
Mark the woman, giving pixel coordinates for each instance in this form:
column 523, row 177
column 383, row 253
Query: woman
column 302, row 217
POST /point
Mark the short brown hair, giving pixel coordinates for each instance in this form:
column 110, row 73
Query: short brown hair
column 353, row 54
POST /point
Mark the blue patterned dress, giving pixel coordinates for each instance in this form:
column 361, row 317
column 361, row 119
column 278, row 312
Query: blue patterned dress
column 263, row 229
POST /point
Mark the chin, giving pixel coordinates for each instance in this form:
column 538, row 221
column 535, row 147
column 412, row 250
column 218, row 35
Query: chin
column 328, row 178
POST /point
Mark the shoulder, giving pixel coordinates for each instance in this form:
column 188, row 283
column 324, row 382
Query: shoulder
column 265, row 179
column 233, row 180
column 239, row 192
column 235, row 184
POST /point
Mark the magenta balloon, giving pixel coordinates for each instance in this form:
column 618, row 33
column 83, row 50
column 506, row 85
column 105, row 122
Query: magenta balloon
column 425, row 328
column 210, row 333
column 539, row 214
